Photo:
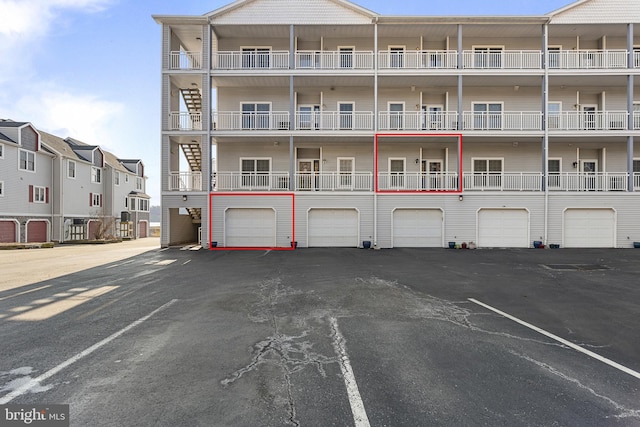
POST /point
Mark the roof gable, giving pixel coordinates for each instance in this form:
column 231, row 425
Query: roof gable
column 285, row 12
column 598, row 11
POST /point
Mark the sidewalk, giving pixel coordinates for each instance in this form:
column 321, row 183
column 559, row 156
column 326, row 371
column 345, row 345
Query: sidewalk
column 26, row 266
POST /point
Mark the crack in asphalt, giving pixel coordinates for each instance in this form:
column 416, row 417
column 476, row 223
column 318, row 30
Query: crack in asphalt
column 624, row 412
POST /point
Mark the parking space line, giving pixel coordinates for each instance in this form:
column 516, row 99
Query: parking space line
column 37, row 381
column 357, row 407
column 560, row 340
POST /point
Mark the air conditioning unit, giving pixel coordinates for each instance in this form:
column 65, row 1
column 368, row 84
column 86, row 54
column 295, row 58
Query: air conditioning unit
column 78, row 221
column 125, row 216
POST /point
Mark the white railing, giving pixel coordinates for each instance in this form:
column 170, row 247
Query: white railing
column 238, row 120
column 238, row 60
column 418, row 181
column 334, row 181
column 506, row 59
column 252, row 181
column 587, row 59
column 588, row 120
column 502, row 181
column 421, row 59
column 334, row 120
column 506, row 120
column 333, row 60
column 588, row 181
column 185, row 181
column 417, row 120
column 636, row 120
column 636, row 59
column 185, row 121
column 181, row 60
column 636, row 181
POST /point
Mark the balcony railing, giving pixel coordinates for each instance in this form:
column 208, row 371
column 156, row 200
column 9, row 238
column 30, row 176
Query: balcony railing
column 588, row 59
column 418, row 181
column 506, row 120
column 416, row 120
column 334, row 120
column 505, row 59
column 260, row 121
column 185, row 181
column 636, row 59
column 251, row 181
column 185, row 121
column 502, row 181
column 636, row 181
column 182, row 60
column 334, row 181
column 422, row 59
column 239, row 60
column 588, row 120
column 334, row 60
column 588, row 181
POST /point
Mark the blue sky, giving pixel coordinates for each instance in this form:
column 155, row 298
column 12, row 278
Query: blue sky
column 90, row 69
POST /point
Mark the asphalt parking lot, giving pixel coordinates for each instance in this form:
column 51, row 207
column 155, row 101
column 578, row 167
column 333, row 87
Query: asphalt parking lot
column 401, row 337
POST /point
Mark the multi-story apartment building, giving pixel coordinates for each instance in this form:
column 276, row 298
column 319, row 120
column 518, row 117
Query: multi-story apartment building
column 54, row 189
column 333, row 125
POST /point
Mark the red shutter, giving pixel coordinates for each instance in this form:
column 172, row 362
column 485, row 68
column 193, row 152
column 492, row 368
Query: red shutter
column 31, row 194
column 46, row 195
column 90, row 199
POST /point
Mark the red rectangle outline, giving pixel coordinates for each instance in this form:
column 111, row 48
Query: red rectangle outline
column 375, row 163
column 293, row 221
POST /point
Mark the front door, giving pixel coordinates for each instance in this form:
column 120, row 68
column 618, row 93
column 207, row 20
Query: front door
column 589, row 117
column 589, row 169
column 345, row 171
column 396, row 113
column 432, row 175
column 308, row 174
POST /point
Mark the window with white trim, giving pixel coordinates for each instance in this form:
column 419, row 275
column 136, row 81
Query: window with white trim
column 96, row 199
column 636, row 166
column 116, row 178
column 71, row 169
column 487, row 115
column 1, row 151
column 39, row 194
column 255, row 172
column 1, row 188
column 487, row 173
column 554, row 112
column 27, row 161
column 139, row 182
column 96, row 175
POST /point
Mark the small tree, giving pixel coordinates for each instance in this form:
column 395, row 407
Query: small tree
column 104, row 231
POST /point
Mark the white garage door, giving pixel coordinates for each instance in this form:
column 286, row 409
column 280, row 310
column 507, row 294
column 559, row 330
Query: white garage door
column 417, row 228
column 250, row 228
column 333, row 228
column 503, row 228
column 589, row 228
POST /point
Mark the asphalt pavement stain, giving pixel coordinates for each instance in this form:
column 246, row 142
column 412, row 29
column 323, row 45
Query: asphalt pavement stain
column 18, row 377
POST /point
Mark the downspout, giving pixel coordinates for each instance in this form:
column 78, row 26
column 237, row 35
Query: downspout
column 630, row 124
column 51, row 194
column 292, row 111
column 375, row 128
column 545, row 128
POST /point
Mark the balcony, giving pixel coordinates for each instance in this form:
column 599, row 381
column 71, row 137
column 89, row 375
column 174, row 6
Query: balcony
column 588, row 59
column 418, row 60
column 418, row 181
column 334, row 120
column 260, row 121
column 502, row 181
column 334, row 181
column 184, row 121
column 589, row 181
column 185, row 181
column 636, row 181
column 182, row 60
column 417, row 121
column 333, row 60
column 505, row 120
column 589, row 120
column 243, row 60
column 503, row 59
column 251, row 181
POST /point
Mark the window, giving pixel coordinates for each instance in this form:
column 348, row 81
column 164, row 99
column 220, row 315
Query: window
column 27, row 161
column 126, row 177
column 554, row 56
column 126, row 202
column 345, row 171
column 1, row 151
column 487, row 57
column 96, row 175
column 139, row 183
column 255, row 115
column 636, row 166
column 554, row 113
column 39, row 194
column 487, row 116
column 346, row 115
column 132, row 204
column 396, row 56
column 1, row 188
column 487, row 173
column 71, row 169
column 636, row 57
column 636, row 115
column 346, row 57
column 255, row 172
column 554, row 168
column 396, row 115
column 116, row 178
column 96, row 199
column 143, row 205
column 396, row 173
column 256, row 57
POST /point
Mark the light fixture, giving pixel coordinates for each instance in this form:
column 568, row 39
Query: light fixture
column 184, row 197
column 575, row 165
column 417, row 161
column 461, row 197
column 199, row 39
column 515, row 143
column 276, row 143
column 413, row 88
column 516, row 88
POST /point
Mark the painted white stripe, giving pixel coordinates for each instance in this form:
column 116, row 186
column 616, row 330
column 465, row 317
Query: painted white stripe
column 561, row 340
column 357, row 407
column 37, row 381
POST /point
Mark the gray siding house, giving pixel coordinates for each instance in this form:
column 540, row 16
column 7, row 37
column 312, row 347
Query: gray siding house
column 54, row 189
column 333, row 125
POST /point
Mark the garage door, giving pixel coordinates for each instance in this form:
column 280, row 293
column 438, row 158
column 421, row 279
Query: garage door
column 417, row 228
column 250, row 227
column 142, row 229
column 333, row 228
column 503, row 228
column 7, row 232
column 37, row 231
column 589, row 228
